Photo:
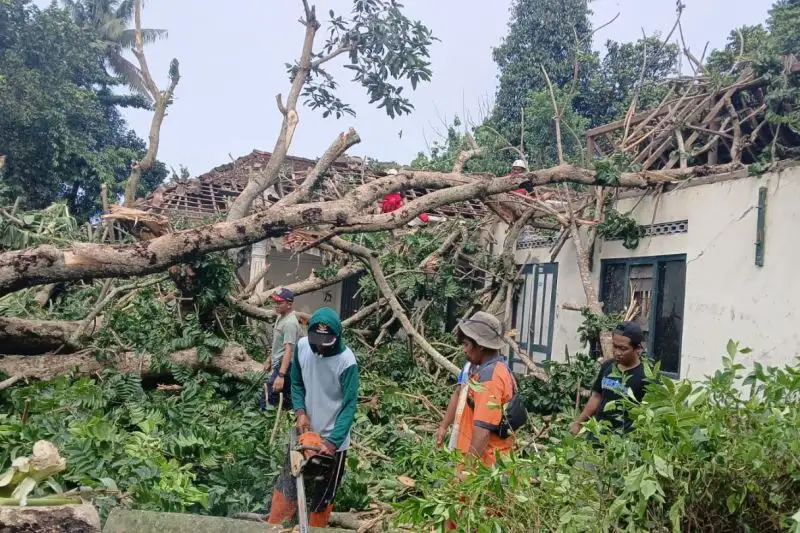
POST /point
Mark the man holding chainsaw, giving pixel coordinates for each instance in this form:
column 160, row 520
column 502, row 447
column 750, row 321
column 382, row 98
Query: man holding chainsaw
column 324, row 386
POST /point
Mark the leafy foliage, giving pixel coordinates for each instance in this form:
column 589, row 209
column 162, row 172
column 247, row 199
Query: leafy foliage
column 702, row 456
column 60, row 129
column 383, row 46
column 564, row 380
column 541, row 33
column 593, row 325
column 109, row 21
column 424, row 292
column 52, row 225
column 620, row 226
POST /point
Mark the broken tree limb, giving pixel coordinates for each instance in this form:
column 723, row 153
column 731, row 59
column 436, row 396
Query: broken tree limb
column 372, row 259
column 47, row 264
column 233, row 360
column 363, row 313
column 342, row 143
column 6, row 383
column 28, row 337
column 162, row 100
column 260, row 182
column 311, row 283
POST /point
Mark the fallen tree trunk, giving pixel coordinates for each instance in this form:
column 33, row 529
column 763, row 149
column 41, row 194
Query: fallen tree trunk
column 45, row 264
column 27, row 337
column 233, row 360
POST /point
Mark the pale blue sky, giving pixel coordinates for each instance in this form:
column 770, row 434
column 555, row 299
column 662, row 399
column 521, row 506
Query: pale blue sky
column 232, row 59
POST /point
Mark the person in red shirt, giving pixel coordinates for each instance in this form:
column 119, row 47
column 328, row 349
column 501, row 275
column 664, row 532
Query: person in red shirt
column 394, row 201
column 518, row 167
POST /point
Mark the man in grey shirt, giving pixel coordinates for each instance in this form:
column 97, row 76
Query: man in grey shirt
column 284, row 338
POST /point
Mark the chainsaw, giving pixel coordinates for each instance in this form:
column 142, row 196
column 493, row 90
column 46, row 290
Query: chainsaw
column 306, row 463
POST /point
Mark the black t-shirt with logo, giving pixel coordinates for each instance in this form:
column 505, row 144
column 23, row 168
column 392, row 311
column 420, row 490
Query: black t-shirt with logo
column 613, row 383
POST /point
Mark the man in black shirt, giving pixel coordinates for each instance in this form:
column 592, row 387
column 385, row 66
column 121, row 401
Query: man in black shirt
column 621, row 376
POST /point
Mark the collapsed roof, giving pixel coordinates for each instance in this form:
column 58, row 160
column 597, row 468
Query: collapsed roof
column 213, row 193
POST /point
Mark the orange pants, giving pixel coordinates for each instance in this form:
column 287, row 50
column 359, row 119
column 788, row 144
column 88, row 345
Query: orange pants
column 284, row 509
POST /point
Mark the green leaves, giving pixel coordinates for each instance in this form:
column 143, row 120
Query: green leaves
column 617, row 226
column 60, row 127
column 384, row 48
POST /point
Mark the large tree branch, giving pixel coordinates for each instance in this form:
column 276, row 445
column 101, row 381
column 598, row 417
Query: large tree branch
column 311, row 284
column 258, row 183
column 161, row 100
column 47, row 264
column 508, row 266
column 22, row 336
column 233, row 360
column 342, row 143
column 372, row 258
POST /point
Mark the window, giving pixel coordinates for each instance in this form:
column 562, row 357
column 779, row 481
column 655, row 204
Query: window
column 534, row 312
column 650, row 292
column 351, row 296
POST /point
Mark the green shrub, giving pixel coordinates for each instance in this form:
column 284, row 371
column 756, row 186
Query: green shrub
column 702, row 457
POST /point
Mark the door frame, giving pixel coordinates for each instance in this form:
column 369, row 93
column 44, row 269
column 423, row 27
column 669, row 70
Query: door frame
column 534, row 270
column 654, row 260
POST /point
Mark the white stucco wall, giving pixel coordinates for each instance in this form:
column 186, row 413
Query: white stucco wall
column 727, row 295
column 284, row 268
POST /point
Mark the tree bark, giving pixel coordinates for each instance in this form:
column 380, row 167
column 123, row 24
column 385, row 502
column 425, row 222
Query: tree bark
column 26, row 337
column 47, row 264
column 162, row 100
column 592, row 301
column 262, row 181
column 50, row 519
column 233, row 360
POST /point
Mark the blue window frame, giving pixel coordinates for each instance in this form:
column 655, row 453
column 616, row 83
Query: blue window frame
column 655, row 286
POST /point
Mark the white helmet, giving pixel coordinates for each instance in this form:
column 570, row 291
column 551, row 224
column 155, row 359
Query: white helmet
column 391, row 172
column 519, row 163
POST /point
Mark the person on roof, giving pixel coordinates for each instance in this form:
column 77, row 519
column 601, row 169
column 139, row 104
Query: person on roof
column 394, row 201
column 519, row 167
column 324, row 384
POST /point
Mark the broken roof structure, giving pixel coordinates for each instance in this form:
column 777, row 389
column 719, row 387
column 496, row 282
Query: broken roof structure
column 212, row 193
column 697, row 123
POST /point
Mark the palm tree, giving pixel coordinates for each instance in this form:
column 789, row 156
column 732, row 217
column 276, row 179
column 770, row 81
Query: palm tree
column 110, row 19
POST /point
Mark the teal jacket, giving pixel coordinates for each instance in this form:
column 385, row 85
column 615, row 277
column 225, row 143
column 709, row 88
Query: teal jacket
column 326, row 387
